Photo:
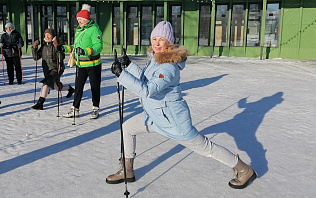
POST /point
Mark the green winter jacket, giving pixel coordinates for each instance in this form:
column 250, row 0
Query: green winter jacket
column 89, row 38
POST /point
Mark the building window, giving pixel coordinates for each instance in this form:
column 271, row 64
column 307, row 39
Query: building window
column 73, row 23
column 47, row 17
column 175, row 21
column 31, row 24
column 93, row 13
column 3, row 17
column 146, row 26
column 116, row 25
column 254, row 25
column 221, row 25
column 271, row 33
column 159, row 13
column 62, row 24
column 205, row 25
column 132, row 26
column 237, row 25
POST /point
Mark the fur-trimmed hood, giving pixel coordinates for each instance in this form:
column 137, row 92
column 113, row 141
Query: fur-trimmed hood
column 175, row 55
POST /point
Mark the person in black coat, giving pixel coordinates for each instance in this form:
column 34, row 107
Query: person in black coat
column 52, row 64
column 11, row 42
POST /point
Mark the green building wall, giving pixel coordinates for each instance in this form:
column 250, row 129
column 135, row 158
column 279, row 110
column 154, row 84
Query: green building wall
column 297, row 28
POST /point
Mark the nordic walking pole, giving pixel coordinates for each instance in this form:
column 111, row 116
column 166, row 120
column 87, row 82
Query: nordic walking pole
column 58, row 85
column 77, row 64
column 2, row 65
column 35, row 76
column 123, row 52
column 59, row 65
column 126, row 193
column 19, row 49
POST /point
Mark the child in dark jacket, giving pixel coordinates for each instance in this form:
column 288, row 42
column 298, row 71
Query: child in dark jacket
column 53, row 66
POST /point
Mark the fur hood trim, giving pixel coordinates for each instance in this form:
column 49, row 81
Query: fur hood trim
column 175, row 55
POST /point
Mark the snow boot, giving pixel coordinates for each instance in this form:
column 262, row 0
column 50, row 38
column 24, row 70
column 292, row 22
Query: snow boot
column 39, row 104
column 119, row 176
column 73, row 111
column 95, row 112
column 71, row 90
column 244, row 175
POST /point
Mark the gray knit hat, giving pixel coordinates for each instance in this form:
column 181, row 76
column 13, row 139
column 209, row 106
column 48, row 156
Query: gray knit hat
column 163, row 29
column 9, row 24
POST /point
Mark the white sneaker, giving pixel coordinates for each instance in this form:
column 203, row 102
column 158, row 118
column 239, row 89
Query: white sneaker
column 73, row 111
column 95, row 113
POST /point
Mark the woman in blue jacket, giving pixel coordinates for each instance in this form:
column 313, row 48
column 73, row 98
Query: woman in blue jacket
column 165, row 111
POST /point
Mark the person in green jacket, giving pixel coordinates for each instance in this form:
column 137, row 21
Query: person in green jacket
column 87, row 47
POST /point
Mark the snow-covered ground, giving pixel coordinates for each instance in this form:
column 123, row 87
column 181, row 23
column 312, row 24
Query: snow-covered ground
column 264, row 110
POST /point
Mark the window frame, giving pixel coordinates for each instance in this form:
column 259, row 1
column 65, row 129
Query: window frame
column 208, row 36
column 258, row 36
column 227, row 27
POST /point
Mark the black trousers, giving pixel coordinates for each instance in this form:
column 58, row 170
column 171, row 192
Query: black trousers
column 13, row 63
column 94, row 74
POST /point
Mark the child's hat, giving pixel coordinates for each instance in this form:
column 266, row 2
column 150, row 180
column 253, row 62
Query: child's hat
column 85, row 12
column 163, row 29
column 50, row 31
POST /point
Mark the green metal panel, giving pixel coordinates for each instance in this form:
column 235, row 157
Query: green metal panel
column 105, row 24
column 202, row 51
column 253, row 52
column 221, row 51
column 290, row 32
column 190, row 29
column 307, row 48
column 17, row 17
column 237, row 51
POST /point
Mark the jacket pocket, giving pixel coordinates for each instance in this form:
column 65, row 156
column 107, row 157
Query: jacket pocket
column 163, row 116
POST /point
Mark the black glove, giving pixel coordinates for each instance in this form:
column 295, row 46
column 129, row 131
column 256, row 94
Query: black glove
column 125, row 60
column 116, row 67
column 79, row 51
column 60, row 48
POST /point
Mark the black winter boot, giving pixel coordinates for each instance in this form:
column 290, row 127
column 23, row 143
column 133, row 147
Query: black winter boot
column 39, row 104
column 70, row 92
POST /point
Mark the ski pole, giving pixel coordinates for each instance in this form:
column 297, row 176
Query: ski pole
column 2, row 65
column 19, row 49
column 126, row 193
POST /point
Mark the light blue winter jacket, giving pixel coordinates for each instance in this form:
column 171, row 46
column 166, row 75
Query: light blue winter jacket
column 159, row 91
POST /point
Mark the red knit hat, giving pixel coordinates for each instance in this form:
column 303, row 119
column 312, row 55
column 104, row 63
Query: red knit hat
column 85, row 12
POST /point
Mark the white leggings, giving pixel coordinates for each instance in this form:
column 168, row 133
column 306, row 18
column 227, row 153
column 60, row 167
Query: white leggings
column 200, row 144
column 45, row 89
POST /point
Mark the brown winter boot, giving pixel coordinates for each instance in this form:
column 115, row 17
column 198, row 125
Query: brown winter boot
column 244, row 175
column 119, row 176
